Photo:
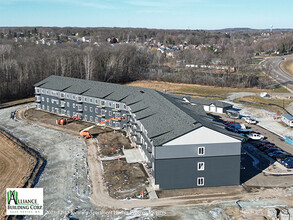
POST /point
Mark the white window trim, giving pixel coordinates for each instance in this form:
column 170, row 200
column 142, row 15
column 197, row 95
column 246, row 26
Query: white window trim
column 198, row 181
column 198, row 151
column 202, row 167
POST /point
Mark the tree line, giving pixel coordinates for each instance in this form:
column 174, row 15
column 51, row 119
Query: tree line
column 24, row 63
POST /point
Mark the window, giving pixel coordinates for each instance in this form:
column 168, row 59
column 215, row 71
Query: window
column 110, row 123
column 124, row 106
column 110, row 104
column 97, row 119
column 103, row 111
column 52, row 101
column 200, row 181
column 117, row 106
column 43, row 99
column 74, row 114
column 79, row 98
column 91, row 109
column 57, row 102
column 85, row 99
column 47, row 92
column 62, row 95
column 43, row 91
column 73, row 97
column 85, row 108
column 68, row 104
column 97, row 101
column 67, row 96
column 79, row 107
column 117, row 125
column 43, row 107
column 85, row 117
column 102, row 102
column 201, row 150
column 91, row 118
column 73, row 105
column 91, row 100
column 52, row 109
column 200, row 166
column 57, row 110
column 48, row 108
column 38, row 106
column 48, row 100
column 68, row 113
column 37, row 90
column 96, row 110
column 110, row 113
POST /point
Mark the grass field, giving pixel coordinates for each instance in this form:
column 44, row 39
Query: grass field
column 271, row 108
column 217, row 92
column 287, row 66
column 16, row 102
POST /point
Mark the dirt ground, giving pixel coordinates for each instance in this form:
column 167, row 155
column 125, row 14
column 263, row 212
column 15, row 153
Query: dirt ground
column 127, row 181
column 124, row 180
column 16, row 167
column 112, row 142
column 204, row 192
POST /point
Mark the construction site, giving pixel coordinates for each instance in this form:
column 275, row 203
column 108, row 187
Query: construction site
column 93, row 170
column 80, row 160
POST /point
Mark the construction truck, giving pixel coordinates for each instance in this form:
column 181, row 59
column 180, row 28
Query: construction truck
column 85, row 132
column 64, row 121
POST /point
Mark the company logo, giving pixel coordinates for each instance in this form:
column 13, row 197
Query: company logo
column 24, row 201
column 12, row 195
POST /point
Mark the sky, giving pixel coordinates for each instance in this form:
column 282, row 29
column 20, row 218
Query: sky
column 166, row 14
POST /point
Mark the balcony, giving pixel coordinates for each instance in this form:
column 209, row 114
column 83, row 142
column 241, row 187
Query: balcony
column 62, row 104
column 38, row 98
column 149, row 149
column 116, row 110
column 138, row 142
column 101, row 115
column 79, row 108
column 79, row 99
column 101, row 106
column 62, row 95
column 37, row 91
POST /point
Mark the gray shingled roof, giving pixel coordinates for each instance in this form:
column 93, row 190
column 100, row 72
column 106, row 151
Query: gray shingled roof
column 161, row 115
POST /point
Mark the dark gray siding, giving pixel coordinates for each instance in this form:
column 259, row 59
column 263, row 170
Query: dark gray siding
column 183, row 173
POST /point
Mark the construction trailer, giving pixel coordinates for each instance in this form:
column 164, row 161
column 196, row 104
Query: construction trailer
column 287, row 119
column 181, row 145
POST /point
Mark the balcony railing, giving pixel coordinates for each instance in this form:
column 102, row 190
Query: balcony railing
column 38, row 98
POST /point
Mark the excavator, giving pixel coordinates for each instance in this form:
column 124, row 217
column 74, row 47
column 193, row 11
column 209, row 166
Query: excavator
column 85, row 132
column 64, row 121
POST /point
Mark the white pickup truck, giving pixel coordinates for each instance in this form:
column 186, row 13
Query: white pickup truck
column 249, row 120
column 255, row 136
